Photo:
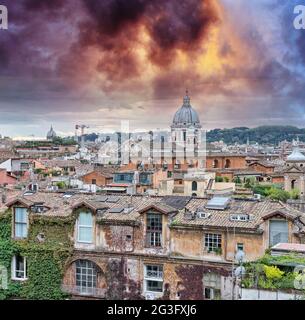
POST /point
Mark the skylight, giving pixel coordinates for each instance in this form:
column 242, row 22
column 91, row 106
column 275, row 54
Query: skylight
column 113, row 199
column 218, row 203
column 102, row 199
column 116, row 210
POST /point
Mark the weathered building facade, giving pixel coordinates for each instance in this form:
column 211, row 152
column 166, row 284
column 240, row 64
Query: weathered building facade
column 142, row 247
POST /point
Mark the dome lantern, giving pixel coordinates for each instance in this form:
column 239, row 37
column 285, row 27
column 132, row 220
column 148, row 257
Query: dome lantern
column 186, row 116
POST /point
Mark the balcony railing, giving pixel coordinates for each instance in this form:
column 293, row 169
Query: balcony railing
column 86, row 292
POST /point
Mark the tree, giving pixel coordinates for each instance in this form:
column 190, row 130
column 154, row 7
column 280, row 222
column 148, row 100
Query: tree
column 262, row 189
column 237, row 180
column 278, row 194
column 250, row 182
column 219, row 179
column 61, row 185
column 295, row 194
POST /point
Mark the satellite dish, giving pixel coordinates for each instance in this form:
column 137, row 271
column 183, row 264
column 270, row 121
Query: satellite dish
column 239, row 271
column 240, row 256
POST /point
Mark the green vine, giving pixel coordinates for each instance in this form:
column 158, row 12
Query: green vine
column 47, row 249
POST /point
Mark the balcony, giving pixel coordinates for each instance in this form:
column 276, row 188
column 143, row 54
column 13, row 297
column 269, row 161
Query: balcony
column 84, row 292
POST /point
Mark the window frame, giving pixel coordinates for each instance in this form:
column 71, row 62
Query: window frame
column 212, row 292
column 271, row 244
column 194, row 186
column 14, row 271
column 26, row 224
column 87, row 277
column 158, row 278
column 209, row 241
column 240, row 244
column 154, row 233
column 79, row 226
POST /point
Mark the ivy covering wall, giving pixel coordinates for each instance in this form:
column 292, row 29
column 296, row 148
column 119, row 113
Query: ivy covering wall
column 46, row 250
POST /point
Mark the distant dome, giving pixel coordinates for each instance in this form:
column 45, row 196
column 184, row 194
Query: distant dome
column 296, row 155
column 186, row 116
column 51, row 134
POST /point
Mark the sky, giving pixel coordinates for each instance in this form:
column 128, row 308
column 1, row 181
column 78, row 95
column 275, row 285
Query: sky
column 97, row 62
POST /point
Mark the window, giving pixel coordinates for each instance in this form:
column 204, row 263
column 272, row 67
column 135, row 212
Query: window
column 240, row 247
column 215, row 163
column 19, row 271
column 228, row 163
column 212, row 286
column 213, row 242
column 203, row 215
column 278, row 232
column 94, row 181
column 24, row 166
column 194, row 186
column 153, row 278
column 212, row 294
column 86, row 277
column 21, row 223
column 239, row 217
column 154, row 230
column 85, row 227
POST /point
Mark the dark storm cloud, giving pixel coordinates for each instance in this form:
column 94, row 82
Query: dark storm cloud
column 43, row 4
column 114, row 26
column 63, row 55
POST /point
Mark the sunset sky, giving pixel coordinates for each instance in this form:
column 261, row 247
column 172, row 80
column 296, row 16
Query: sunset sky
column 67, row 62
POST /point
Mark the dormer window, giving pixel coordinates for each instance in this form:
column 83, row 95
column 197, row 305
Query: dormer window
column 85, row 227
column 203, row 215
column 38, row 208
column 239, row 217
column 20, row 223
column 154, row 230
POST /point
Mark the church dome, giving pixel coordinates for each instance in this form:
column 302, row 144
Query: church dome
column 51, row 134
column 186, row 116
column 296, row 155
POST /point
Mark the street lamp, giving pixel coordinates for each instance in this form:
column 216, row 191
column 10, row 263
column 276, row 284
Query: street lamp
column 240, row 270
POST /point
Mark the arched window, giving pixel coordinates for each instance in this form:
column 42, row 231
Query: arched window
column 86, row 277
column 85, row 227
column 228, row 163
column 194, row 186
column 215, row 163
